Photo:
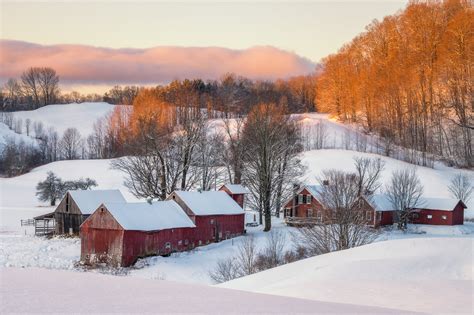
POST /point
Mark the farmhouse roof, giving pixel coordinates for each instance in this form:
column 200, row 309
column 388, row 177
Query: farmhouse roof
column 89, row 200
column 143, row 216
column 209, row 202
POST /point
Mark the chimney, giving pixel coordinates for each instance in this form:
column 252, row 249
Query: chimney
column 326, row 182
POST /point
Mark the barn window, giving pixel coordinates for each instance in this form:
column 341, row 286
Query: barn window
column 308, row 199
column 361, row 203
column 444, row 217
column 180, row 243
column 102, row 209
column 220, row 235
column 200, row 243
column 429, row 216
column 186, row 242
column 168, row 245
column 300, row 199
column 212, row 221
column 309, row 213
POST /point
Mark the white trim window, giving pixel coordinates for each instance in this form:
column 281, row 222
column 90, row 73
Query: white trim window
column 309, row 213
column 300, row 199
column 444, row 217
column 368, row 215
column 308, row 199
column 429, row 216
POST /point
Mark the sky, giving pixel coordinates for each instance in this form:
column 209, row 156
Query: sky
column 96, row 44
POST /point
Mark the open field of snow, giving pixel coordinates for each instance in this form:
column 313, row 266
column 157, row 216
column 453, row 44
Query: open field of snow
column 62, row 116
column 432, row 275
column 6, row 134
column 60, row 292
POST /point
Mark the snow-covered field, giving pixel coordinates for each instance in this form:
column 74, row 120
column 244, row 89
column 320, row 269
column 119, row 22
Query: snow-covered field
column 433, row 275
column 59, row 292
column 403, row 271
column 62, row 116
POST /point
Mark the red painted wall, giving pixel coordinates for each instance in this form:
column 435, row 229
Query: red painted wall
column 239, row 198
column 301, row 210
column 213, row 228
column 454, row 217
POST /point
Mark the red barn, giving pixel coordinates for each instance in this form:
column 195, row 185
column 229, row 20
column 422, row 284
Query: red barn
column 236, row 192
column 118, row 234
column 216, row 215
column 438, row 211
column 378, row 209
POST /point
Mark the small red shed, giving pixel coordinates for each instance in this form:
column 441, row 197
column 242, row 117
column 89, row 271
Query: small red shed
column 118, row 234
column 216, row 215
column 236, row 192
column 439, row 211
column 379, row 209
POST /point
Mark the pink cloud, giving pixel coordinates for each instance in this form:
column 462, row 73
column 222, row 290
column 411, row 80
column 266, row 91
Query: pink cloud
column 80, row 64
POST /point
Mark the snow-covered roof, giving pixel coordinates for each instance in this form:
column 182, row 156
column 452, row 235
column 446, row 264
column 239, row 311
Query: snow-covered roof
column 380, row 202
column 209, row 202
column 142, row 216
column 314, row 190
column 237, row 189
column 89, row 200
column 444, row 204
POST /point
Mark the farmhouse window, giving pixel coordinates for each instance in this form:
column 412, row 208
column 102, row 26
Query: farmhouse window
column 287, row 212
column 300, row 199
column 361, row 203
column 319, row 216
column 368, row 215
column 310, row 213
column 444, row 217
column 308, row 199
column 379, row 216
column 429, row 216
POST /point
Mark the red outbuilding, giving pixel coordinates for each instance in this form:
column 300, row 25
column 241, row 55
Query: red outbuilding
column 236, row 192
column 438, row 211
column 117, row 234
column 216, row 215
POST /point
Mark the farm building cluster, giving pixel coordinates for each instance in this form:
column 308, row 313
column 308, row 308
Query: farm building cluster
column 307, row 207
column 117, row 233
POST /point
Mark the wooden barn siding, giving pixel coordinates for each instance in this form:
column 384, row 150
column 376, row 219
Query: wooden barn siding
column 387, row 218
column 66, row 219
column 138, row 244
column 102, row 239
column 454, row 217
column 223, row 227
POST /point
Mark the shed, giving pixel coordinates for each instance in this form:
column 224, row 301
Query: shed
column 217, row 216
column 381, row 208
column 119, row 233
column 439, row 211
column 236, row 192
column 77, row 205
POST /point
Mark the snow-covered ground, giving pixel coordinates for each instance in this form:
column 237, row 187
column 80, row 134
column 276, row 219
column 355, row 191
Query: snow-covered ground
column 60, row 292
column 62, row 116
column 432, row 275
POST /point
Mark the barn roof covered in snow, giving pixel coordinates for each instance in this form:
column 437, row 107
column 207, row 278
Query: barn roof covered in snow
column 380, row 202
column 443, row 204
column 142, row 216
column 236, row 189
column 89, row 200
column 209, row 202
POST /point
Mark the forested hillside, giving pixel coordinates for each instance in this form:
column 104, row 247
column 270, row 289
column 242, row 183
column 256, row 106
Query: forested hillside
column 410, row 78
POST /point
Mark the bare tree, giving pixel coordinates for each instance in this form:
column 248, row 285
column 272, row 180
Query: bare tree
column 368, row 171
column 71, row 144
column 461, row 187
column 234, row 149
column 226, row 269
column 247, row 255
column 31, row 85
column 12, row 91
column 404, row 192
column 48, row 82
column 344, row 224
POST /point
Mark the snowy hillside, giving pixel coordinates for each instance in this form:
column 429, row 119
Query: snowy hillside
column 431, row 275
column 62, row 116
column 6, row 134
column 89, row 293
